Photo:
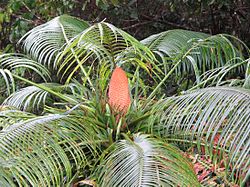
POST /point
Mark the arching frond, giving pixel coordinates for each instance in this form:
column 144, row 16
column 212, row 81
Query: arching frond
column 28, row 98
column 183, row 52
column 145, row 161
column 247, row 76
column 9, row 116
column 52, row 88
column 219, row 76
column 16, row 63
column 45, row 151
column 216, row 118
column 43, row 43
column 100, row 43
column 33, row 98
column 8, row 80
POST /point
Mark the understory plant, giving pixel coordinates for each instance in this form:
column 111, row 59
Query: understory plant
column 90, row 104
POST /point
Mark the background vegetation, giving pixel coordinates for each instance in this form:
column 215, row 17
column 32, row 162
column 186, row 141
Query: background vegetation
column 141, row 18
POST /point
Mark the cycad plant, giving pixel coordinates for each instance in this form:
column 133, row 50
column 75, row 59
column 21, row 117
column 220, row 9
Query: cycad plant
column 87, row 106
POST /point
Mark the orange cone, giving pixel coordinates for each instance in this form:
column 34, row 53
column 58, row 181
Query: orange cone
column 119, row 96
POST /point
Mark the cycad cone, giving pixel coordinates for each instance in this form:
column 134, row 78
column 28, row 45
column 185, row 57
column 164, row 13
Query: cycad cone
column 119, row 96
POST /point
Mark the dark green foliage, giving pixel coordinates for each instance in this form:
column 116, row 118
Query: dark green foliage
column 141, row 18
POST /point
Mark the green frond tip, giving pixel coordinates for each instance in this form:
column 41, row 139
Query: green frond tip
column 145, row 161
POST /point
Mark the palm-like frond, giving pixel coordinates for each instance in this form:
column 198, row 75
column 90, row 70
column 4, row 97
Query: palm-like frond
column 45, row 151
column 102, row 43
column 184, row 53
column 9, row 116
column 209, row 114
column 33, row 98
column 17, row 63
column 43, row 43
column 218, row 76
column 8, row 80
column 145, row 161
column 28, row 98
column 247, row 76
column 53, row 88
